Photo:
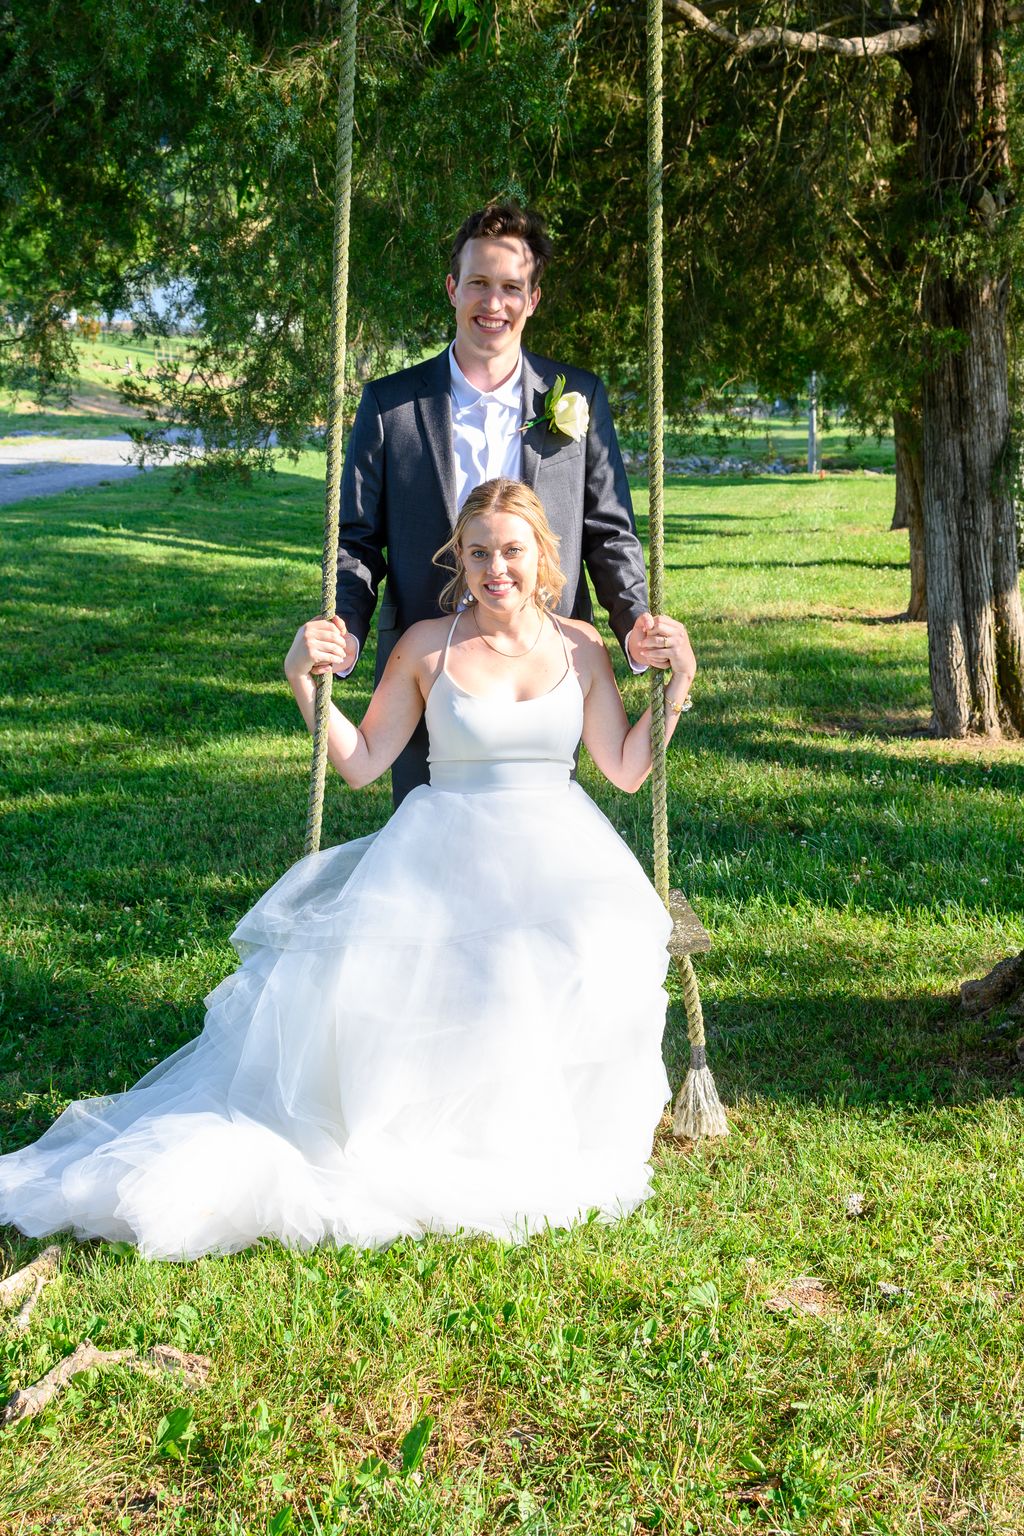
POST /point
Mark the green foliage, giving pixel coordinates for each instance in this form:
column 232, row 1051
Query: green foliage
column 783, row 234
column 473, row 22
column 198, row 157
column 94, row 97
column 220, row 125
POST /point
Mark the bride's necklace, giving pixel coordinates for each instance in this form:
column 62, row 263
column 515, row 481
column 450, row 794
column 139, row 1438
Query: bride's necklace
column 509, row 655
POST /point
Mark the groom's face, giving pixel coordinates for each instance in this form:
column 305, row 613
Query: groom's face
column 493, row 297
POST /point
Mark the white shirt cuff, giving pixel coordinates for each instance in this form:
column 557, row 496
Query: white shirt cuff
column 349, row 670
column 637, row 671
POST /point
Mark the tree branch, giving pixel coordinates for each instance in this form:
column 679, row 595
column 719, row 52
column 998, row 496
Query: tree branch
column 30, row 1279
column 897, row 40
column 160, row 1360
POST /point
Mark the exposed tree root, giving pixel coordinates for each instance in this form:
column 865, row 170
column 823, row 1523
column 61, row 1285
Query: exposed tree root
column 32, row 1278
column 24, row 1313
column 162, row 1359
column 1003, row 984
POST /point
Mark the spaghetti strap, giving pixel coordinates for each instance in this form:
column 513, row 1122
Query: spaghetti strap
column 565, row 643
column 448, row 641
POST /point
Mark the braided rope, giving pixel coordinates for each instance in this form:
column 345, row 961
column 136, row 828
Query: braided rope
column 655, row 427
column 698, row 1111
column 694, row 1012
column 336, row 400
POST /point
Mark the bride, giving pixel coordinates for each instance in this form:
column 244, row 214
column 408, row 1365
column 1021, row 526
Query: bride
column 453, row 1024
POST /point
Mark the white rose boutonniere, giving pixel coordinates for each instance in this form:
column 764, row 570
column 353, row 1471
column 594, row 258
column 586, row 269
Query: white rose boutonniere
column 567, row 413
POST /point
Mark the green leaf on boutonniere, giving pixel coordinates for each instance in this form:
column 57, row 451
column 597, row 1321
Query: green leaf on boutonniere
column 572, row 418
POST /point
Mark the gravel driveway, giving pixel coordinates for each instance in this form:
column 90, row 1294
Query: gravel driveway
column 44, row 466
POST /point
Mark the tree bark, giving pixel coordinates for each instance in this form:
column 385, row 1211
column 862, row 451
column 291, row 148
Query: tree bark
column 909, row 512
column 975, row 616
column 1002, row 985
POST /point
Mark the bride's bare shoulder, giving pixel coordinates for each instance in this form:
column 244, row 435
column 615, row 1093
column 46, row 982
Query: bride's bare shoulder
column 422, row 643
column 428, row 634
column 589, row 652
column 583, row 637
column 579, row 628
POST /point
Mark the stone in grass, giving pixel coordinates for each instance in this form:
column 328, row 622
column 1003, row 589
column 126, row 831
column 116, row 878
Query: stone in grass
column 805, row 1296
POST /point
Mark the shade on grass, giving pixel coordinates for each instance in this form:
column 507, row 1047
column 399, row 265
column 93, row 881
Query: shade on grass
column 851, row 871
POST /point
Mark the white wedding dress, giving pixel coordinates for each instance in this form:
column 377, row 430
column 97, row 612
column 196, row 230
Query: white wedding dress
column 454, row 1023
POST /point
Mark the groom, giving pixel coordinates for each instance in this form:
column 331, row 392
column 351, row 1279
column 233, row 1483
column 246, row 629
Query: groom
column 425, row 437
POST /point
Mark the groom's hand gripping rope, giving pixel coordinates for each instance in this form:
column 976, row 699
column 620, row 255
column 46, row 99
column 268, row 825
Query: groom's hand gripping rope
column 657, row 640
column 322, row 645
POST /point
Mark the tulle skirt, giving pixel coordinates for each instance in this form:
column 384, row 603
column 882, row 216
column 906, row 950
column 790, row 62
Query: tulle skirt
column 451, row 1025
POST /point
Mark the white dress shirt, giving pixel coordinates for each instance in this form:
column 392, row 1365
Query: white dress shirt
column 486, row 438
column 485, row 429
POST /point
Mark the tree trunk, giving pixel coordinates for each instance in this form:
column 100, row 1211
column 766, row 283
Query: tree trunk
column 909, row 511
column 975, row 616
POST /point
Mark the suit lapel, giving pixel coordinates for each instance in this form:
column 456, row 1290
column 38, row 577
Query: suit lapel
column 536, row 440
column 433, row 400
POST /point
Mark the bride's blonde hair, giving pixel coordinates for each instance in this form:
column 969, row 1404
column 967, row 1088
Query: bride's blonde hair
column 503, row 496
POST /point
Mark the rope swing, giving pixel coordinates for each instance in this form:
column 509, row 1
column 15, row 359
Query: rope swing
column 336, row 400
column 698, row 1111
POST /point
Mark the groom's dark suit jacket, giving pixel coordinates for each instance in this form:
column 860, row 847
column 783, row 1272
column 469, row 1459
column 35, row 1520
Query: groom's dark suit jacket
column 398, row 508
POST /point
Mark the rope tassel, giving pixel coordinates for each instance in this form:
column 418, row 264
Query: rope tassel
column 697, row 1110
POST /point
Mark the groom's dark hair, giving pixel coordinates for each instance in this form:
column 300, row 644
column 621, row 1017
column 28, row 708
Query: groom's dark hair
column 502, row 219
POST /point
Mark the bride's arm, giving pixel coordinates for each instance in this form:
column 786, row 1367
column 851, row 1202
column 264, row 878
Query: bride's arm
column 359, row 753
column 621, row 751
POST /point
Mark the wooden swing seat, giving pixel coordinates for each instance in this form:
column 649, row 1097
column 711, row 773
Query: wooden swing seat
column 689, row 936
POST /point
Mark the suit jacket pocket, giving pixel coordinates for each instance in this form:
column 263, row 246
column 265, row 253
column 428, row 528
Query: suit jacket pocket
column 558, row 450
column 387, row 618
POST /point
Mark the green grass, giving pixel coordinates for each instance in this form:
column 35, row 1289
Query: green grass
column 626, row 1379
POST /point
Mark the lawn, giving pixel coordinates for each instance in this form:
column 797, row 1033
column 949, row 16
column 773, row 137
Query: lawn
column 656, row 1376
